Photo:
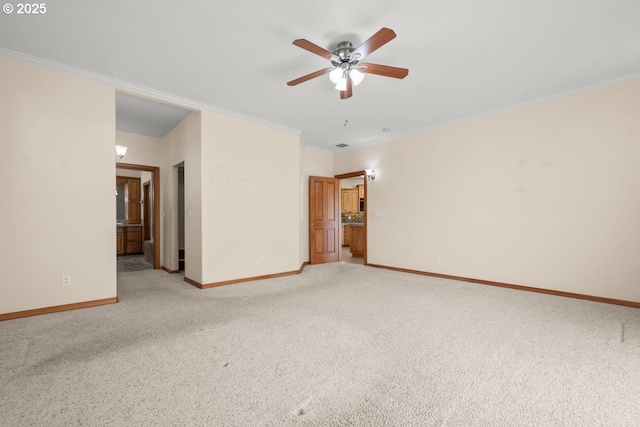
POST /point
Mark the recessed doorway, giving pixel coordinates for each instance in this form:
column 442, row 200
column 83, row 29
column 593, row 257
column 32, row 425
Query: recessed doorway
column 352, row 201
column 152, row 245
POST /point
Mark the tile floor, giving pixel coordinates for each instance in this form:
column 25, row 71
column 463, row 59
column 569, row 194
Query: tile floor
column 133, row 263
column 345, row 256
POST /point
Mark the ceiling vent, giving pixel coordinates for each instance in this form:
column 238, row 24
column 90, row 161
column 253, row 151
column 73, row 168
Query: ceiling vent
column 342, row 145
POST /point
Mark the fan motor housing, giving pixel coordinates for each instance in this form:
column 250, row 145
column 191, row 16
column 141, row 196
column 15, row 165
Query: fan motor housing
column 343, row 51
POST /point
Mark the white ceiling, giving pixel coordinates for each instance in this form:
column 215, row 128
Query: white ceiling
column 466, row 58
column 146, row 117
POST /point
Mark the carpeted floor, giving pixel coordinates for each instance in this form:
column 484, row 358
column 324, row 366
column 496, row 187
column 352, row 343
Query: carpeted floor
column 338, row 345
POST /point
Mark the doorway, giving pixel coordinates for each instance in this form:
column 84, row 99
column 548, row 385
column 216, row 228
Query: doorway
column 180, row 214
column 352, row 200
column 146, row 210
column 325, row 218
column 154, row 207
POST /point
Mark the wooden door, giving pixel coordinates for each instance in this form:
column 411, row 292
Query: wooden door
column 324, row 220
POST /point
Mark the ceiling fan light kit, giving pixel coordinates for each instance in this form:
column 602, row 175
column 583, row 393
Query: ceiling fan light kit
column 347, row 69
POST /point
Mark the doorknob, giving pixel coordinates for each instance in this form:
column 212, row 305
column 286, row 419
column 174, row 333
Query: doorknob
column 313, row 224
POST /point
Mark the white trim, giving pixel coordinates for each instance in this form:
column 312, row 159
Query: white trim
column 313, row 147
column 132, row 89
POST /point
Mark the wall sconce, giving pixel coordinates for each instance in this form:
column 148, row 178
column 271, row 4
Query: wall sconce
column 121, row 150
column 371, row 174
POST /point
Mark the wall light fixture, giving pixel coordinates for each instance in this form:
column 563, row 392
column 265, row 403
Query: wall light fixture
column 371, row 174
column 121, row 150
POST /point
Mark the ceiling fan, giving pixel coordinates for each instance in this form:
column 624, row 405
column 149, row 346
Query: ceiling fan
column 347, row 70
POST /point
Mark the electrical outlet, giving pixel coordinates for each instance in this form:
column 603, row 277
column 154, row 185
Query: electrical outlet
column 261, row 260
column 438, row 258
column 66, row 280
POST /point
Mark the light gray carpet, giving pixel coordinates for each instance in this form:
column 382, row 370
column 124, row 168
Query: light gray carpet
column 339, row 344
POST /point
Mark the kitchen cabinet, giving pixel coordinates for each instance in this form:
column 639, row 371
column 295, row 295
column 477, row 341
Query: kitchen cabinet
column 357, row 241
column 346, row 235
column 350, row 200
column 361, row 191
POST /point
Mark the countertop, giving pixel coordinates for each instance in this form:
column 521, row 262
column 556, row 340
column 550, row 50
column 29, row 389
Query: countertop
column 353, row 224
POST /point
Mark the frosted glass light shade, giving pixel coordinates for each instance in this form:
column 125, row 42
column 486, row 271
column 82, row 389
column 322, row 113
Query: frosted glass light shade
column 356, row 77
column 121, row 150
column 341, row 85
column 336, row 75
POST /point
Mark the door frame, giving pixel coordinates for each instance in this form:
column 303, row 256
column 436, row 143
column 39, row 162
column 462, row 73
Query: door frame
column 146, row 195
column 155, row 172
column 358, row 174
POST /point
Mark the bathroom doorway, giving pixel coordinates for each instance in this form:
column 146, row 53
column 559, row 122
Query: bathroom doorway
column 153, row 244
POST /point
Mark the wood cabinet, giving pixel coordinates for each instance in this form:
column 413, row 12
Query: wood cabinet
column 131, row 199
column 346, row 235
column 128, row 240
column 350, row 200
column 132, row 196
column 361, row 191
column 134, row 240
column 357, row 241
column 120, row 248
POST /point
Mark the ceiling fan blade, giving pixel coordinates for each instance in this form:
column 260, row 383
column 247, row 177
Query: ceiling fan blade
column 314, row 48
column 383, row 70
column 349, row 92
column 309, row 76
column 379, row 39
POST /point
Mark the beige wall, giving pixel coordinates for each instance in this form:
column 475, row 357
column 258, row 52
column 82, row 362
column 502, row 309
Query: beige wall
column 183, row 145
column 141, row 149
column 545, row 196
column 250, row 199
column 55, row 130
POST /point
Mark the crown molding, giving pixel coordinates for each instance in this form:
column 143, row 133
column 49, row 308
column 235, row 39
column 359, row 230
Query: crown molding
column 487, row 113
column 145, row 92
